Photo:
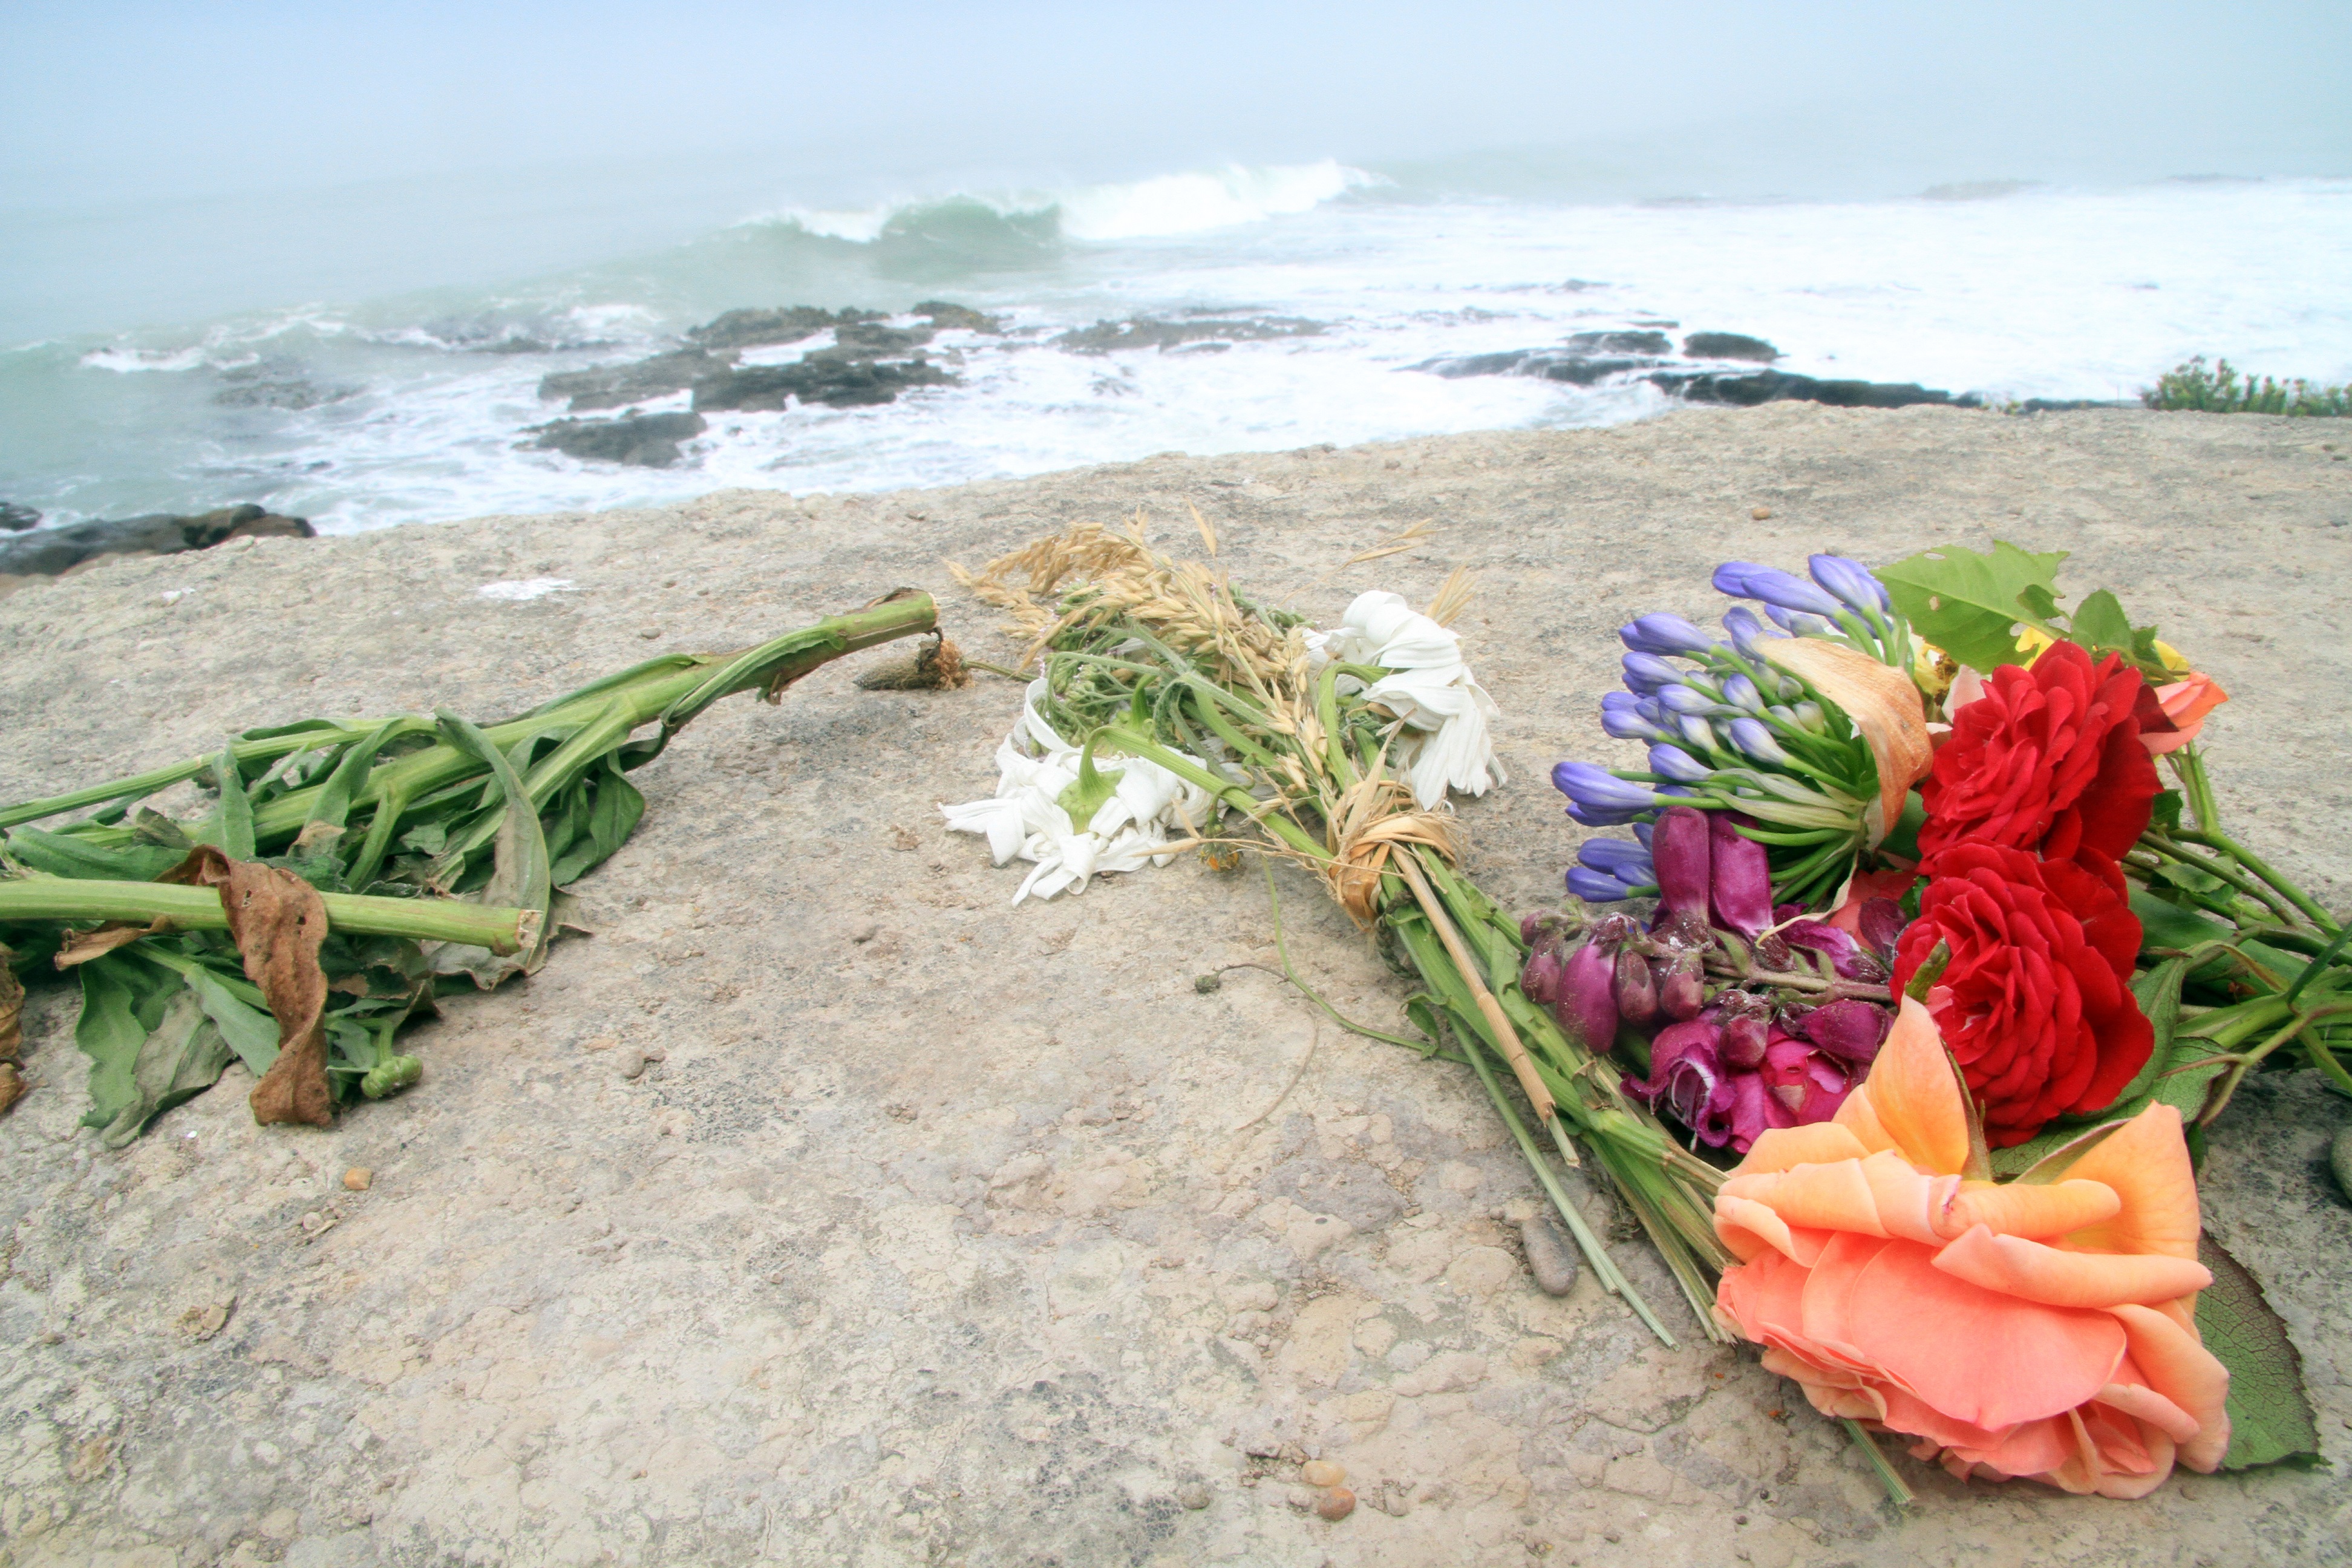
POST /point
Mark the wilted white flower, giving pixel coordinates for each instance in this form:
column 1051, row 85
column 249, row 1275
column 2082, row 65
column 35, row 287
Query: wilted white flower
column 1446, row 743
column 1147, row 808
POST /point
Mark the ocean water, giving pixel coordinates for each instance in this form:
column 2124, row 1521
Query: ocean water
column 1309, row 304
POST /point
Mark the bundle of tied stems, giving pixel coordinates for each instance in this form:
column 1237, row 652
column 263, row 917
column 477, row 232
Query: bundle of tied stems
column 1147, row 658
column 345, row 872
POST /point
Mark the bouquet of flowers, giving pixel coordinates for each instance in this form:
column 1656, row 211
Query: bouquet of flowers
column 1927, row 916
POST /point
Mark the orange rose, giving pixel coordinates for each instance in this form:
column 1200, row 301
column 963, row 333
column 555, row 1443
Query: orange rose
column 2044, row 1329
column 2186, row 703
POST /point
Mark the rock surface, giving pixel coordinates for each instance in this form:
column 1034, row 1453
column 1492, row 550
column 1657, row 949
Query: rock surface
column 48, row 552
column 983, row 1239
column 643, row 440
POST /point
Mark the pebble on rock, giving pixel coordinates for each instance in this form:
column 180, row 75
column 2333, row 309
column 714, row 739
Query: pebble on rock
column 359, row 1178
column 2339, row 1159
column 1322, row 1473
column 1193, row 1495
column 1761, row 513
column 1550, row 1258
column 1337, row 1504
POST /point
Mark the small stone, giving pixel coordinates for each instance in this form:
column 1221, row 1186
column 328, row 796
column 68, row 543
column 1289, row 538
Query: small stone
column 865, row 930
column 1337, row 1504
column 1206, row 983
column 1194, row 1495
column 630, row 1063
column 1300, row 1498
column 649, row 633
column 1322, row 1473
column 1761, row 513
column 358, row 1179
column 1549, row 1258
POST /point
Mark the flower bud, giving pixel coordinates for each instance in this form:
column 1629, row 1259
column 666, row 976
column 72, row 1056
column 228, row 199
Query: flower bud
column 1743, row 1039
column 1636, row 993
column 1777, row 589
column 1681, row 985
column 1752, row 739
column 1849, row 1029
column 1810, row 716
column 1645, row 673
column 1620, row 716
column 1797, row 624
column 1597, row 886
column 1597, row 789
column 1740, row 692
column 1540, row 978
column 1587, row 1002
column 1677, row 764
column 1740, row 892
column 1851, row 582
column 1881, row 922
column 1664, row 634
column 1747, row 628
column 1677, row 698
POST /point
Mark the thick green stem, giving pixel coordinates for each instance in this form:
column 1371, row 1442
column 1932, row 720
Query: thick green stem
column 2214, row 838
column 502, row 931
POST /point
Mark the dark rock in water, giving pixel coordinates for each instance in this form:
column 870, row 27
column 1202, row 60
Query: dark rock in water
column 1729, row 345
column 840, row 383
column 640, row 441
column 612, row 385
column 948, row 318
column 1579, row 371
column 16, row 519
column 1110, row 337
column 1621, row 343
column 755, row 329
column 1552, row 364
column 864, row 339
column 276, row 383
column 1499, row 363
column 1746, row 391
column 56, row 550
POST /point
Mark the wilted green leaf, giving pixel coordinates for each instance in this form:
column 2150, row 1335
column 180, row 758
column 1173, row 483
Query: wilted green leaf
column 1971, row 604
column 2270, row 1417
column 68, row 855
column 612, row 817
column 123, row 1000
column 181, row 1058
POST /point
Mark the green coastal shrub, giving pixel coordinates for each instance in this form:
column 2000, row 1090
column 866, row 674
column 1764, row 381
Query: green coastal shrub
column 2222, row 390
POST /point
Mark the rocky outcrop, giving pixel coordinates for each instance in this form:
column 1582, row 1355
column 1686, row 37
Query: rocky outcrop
column 757, row 329
column 51, row 550
column 639, row 440
column 1729, row 345
column 1142, row 332
column 949, row 318
column 1749, row 389
column 616, row 386
column 16, row 519
column 836, row 381
column 1621, row 342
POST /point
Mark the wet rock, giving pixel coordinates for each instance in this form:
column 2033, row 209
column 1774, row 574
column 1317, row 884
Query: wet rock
column 1622, row 343
column 1577, row 369
column 1549, row 1258
column 1748, row 390
column 639, row 440
column 16, row 519
column 1729, row 346
column 838, row 383
column 276, row 383
column 946, row 317
column 615, row 385
column 790, row 324
column 1112, row 337
column 49, row 552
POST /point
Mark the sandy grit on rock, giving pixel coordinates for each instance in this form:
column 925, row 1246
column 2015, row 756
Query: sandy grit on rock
column 821, row 1208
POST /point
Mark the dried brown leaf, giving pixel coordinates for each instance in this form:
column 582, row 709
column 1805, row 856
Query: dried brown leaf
column 81, row 946
column 277, row 922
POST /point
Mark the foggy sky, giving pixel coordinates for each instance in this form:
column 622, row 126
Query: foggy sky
column 111, row 100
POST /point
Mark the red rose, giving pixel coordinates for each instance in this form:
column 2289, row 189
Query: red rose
column 2049, row 760
column 2034, row 1004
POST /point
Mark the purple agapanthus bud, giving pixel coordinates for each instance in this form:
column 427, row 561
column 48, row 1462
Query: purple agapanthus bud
column 1619, row 861
column 1752, row 739
column 1810, row 717
column 1680, row 852
column 1850, row 1029
column 1849, row 581
column 1676, row 763
column 1746, row 627
column 1587, row 1005
column 1636, row 993
column 1597, row 886
column 1775, row 587
column 1696, row 731
column 1599, row 789
column 1665, row 635
column 1646, row 672
column 1681, row 985
column 1797, row 624
column 1620, row 716
column 1740, row 884
column 1677, row 698
column 1740, row 692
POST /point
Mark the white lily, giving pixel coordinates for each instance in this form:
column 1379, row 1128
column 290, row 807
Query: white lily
column 1447, row 742
column 1148, row 806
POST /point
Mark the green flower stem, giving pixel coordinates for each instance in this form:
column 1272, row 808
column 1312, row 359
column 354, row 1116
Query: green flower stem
column 2188, row 766
column 199, row 909
column 2215, row 839
column 2215, row 868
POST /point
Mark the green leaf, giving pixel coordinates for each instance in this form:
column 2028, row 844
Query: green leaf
column 1969, row 605
column 613, row 816
column 2270, row 1417
column 231, row 824
column 66, row 854
column 2164, row 925
column 2167, row 811
column 2099, row 623
column 122, row 1003
column 2194, row 878
column 519, row 875
column 181, row 1057
column 233, row 1004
